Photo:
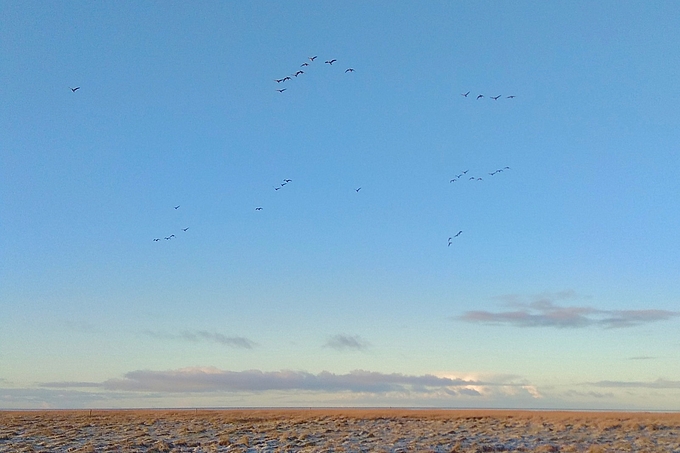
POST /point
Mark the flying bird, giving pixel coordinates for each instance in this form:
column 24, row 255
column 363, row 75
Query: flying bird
column 466, row 171
column 278, row 80
column 453, row 180
column 457, row 234
column 465, row 94
column 287, row 180
column 282, row 90
column 471, row 178
column 357, row 189
column 449, row 245
column 298, row 73
column 506, row 168
column 286, row 78
column 349, row 70
column 74, row 89
column 156, row 239
column 480, row 96
column 177, row 207
column 495, row 98
column 312, row 58
column 330, row 62
column 258, row 209
column 184, row 229
column 304, row 64
column 511, row 97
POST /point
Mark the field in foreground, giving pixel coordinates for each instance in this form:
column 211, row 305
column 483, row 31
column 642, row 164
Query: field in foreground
column 341, row 430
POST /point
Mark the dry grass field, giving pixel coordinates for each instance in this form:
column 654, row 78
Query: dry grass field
column 337, row 430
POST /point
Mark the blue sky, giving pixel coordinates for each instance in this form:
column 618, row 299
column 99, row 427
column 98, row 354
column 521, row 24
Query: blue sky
column 561, row 291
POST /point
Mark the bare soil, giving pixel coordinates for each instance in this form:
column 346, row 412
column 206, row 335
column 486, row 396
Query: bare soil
column 337, row 430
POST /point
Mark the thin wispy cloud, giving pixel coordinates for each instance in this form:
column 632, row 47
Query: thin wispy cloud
column 542, row 311
column 71, row 384
column 346, row 342
column 657, row 384
column 203, row 335
column 642, row 357
column 576, row 394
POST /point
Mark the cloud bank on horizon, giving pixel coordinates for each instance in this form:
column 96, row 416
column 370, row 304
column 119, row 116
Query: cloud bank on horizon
column 212, row 386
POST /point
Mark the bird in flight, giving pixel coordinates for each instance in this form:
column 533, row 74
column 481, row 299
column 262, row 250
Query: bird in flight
column 184, row 229
column 298, row 73
column 312, row 58
column 357, row 189
column 511, row 97
column 258, row 209
column 286, row 78
column 495, row 98
column 449, row 245
column 74, row 89
column 453, row 180
column 156, row 239
column 465, row 94
column 466, row 171
column 349, row 70
column 177, row 207
column 506, row 168
column 304, row 64
column 330, row 62
column 480, row 96
column 457, row 234
column 278, row 80
column 287, row 180
column 277, row 188
column 282, row 90
column 169, row 237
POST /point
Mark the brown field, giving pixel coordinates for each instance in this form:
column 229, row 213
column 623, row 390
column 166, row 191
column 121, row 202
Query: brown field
column 337, row 430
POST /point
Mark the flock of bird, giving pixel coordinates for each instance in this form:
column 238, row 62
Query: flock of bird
column 461, row 176
column 495, row 98
column 475, row 178
column 172, row 236
column 300, row 72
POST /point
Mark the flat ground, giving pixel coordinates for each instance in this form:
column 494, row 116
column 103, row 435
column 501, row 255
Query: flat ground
column 337, row 430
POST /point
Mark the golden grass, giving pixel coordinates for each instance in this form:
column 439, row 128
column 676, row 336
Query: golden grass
column 338, row 430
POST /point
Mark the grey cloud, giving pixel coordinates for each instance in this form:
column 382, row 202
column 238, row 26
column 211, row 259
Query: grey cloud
column 658, row 384
column 543, row 312
column 345, row 342
column 203, row 335
column 214, row 380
